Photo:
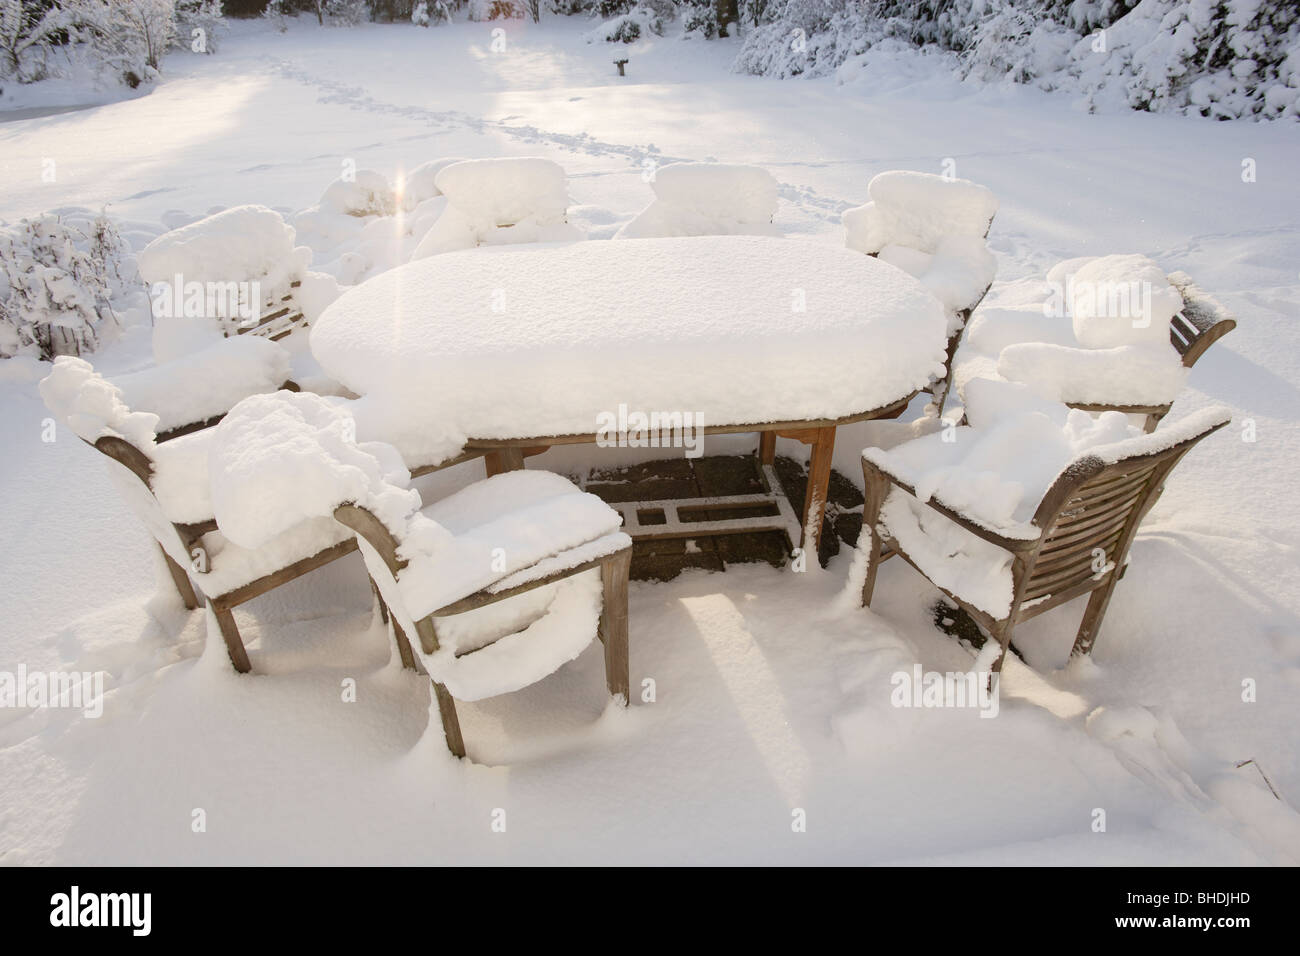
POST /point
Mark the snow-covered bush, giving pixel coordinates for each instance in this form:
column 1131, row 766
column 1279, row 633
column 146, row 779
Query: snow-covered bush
column 483, row 10
column 26, row 29
column 346, row 12
column 628, row 27
column 198, row 23
column 128, row 37
column 1219, row 58
column 56, row 283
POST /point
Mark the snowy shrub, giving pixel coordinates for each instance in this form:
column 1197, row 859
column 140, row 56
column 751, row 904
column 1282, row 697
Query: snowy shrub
column 275, row 12
column 26, row 31
column 482, row 10
column 700, row 18
column 56, row 283
column 629, row 27
column 345, row 12
column 198, row 22
column 128, row 37
column 420, row 14
column 1218, row 58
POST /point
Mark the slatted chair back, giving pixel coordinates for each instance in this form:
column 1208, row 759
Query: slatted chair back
column 280, row 317
column 1089, row 519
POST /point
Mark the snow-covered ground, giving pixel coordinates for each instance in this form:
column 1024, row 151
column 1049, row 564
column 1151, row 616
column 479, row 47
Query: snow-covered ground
column 772, row 690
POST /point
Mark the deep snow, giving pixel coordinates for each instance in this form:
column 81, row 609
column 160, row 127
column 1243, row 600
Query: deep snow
column 772, row 690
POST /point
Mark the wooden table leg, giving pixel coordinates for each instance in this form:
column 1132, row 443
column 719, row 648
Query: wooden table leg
column 766, row 448
column 819, row 480
column 502, row 460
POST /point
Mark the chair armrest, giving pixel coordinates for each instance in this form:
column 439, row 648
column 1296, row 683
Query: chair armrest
column 963, row 521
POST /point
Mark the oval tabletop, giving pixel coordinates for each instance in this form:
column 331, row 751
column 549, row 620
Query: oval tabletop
column 526, row 341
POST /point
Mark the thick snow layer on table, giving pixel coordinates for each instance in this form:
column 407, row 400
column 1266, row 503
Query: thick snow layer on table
column 513, row 342
column 207, row 383
column 707, row 199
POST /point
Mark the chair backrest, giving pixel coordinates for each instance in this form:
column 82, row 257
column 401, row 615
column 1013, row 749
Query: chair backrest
column 1090, row 515
column 280, row 317
column 1201, row 323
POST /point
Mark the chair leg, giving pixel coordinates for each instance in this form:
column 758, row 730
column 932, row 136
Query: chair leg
column 230, row 632
column 181, row 580
column 876, row 489
column 404, row 650
column 1003, row 636
column 379, row 599
column 613, row 622
column 450, row 722
column 1092, row 615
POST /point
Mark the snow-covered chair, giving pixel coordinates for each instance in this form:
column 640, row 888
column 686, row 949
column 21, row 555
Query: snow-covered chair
column 500, row 584
column 1030, row 506
column 497, row 201
column 194, row 391
column 934, row 228
column 239, row 270
column 707, row 199
column 1112, row 333
column 167, row 484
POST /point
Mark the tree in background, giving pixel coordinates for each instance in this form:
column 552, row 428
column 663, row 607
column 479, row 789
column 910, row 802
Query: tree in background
column 26, row 29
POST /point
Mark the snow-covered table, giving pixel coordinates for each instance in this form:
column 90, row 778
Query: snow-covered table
column 510, row 349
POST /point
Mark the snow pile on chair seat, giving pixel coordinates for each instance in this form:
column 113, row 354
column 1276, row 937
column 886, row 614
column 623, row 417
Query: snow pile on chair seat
column 1121, row 305
column 707, row 199
column 736, row 328
column 277, row 460
column 951, row 557
column 995, row 472
column 207, row 383
column 280, row 462
column 932, row 227
column 507, row 200
column 93, row 407
column 1128, row 375
column 997, row 469
column 516, row 660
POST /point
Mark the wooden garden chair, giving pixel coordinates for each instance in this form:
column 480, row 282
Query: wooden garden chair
column 1201, row 323
column 888, row 220
column 1083, row 528
column 610, row 552
column 158, row 485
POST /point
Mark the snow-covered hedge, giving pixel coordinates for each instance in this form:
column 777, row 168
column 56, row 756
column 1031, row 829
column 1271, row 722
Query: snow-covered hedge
column 57, row 279
column 1216, row 58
